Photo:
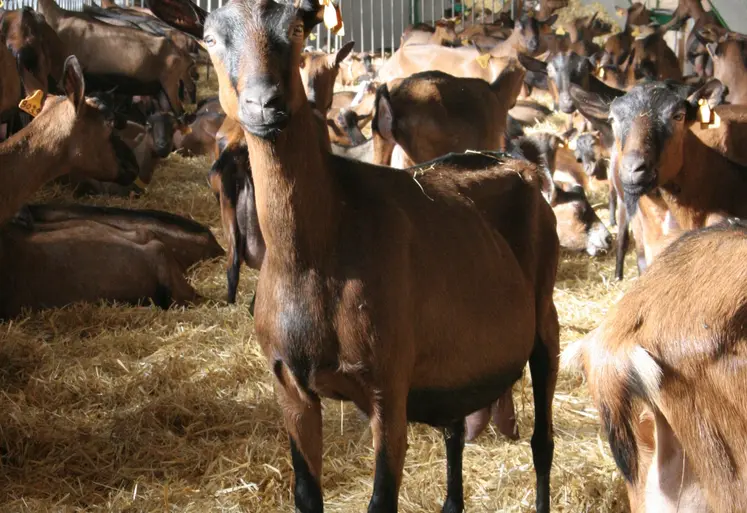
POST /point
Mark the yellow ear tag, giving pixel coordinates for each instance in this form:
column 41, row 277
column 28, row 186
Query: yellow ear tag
column 187, row 130
column 32, row 105
column 465, row 42
column 332, row 18
column 704, row 112
column 601, row 73
column 561, row 31
column 636, row 32
column 483, row 60
column 312, row 37
column 715, row 121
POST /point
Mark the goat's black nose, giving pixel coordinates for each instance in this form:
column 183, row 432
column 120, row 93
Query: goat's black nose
column 635, row 168
column 262, row 106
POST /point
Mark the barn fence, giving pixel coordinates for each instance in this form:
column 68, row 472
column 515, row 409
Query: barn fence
column 374, row 25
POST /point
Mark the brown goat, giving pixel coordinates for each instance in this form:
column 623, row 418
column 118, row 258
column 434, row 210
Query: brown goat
column 10, row 86
column 664, row 371
column 728, row 54
column 356, row 67
column 38, row 49
column 470, row 254
column 666, row 152
column 617, row 47
column 187, row 241
column 430, row 114
column 443, row 33
column 151, row 65
column 56, row 264
column 69, row 133
column 319, row 73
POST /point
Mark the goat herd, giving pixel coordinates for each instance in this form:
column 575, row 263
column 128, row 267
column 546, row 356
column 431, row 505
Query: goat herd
column 419, row 294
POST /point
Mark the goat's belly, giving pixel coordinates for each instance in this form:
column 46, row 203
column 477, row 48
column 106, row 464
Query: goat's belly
column 442, row 407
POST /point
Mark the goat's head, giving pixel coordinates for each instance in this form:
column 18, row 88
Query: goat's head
column 649, row 125
column 161, row 128
column 319, row 73
column 562, row 70
column 528, row 30
column 92, row 149
column 579, row 227
column 591, row 154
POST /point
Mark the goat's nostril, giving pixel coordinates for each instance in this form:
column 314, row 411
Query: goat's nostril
column 273, row 102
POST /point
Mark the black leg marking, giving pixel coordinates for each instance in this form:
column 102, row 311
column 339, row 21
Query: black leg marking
column 454, row 438
column 613, row 207
column 308, row 493
column 542, row 442
column 384, row 499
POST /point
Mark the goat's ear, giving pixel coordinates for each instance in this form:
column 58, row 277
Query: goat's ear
column 591, row 105
column 183, row 15
column 383, row 121
column 712, row 91
column 72, row 80
column 311, row 12
column 532, row 64
column 342, row 53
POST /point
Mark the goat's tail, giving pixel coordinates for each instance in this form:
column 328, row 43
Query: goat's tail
column 618, row 375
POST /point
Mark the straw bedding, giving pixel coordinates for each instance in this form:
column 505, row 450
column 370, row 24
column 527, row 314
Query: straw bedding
column 113, row 408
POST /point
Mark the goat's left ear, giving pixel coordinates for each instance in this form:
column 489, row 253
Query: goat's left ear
column 72, row 81
column 342, row 53
column 183, row 15
column 713, row 92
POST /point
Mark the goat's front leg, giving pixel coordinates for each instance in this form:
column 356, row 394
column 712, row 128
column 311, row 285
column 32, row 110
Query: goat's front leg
column 454, row 438
column 389, row 428
column 303, row 420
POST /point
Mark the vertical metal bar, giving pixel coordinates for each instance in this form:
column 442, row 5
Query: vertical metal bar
column 402, row 18
column 433, row 11
column 318, row 36
column 412, row 12
column 373, row 36
column 391, row 27
column 362, row 41
column 383, row 44
column 422, row 11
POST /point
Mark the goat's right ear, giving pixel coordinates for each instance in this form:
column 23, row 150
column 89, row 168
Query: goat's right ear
column 72, row 81
column 183, row 15
column 713, row 91
column 591, row 105
column 532, row 64
column 343, row 52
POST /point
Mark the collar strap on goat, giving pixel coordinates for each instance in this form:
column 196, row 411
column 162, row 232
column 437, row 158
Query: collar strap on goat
column 32, row 104
column 140, row 184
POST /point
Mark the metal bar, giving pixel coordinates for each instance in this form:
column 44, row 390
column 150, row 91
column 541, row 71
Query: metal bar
column 402, row 18
column 433, row 11
column 382, row 29
column 363, row 28
column 412, row 12
column 373, row 36
column 391, row 27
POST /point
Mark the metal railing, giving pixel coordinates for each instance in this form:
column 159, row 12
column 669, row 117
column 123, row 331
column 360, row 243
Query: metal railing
column 374, row 25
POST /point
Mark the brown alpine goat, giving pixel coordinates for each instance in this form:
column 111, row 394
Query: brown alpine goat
column 664, row 369
column 70, row 133
column 448, row 339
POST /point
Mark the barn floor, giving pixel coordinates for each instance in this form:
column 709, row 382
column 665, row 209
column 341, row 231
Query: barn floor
column 135, row 409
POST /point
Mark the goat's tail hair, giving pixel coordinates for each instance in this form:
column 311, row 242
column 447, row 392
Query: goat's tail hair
column 618, row 375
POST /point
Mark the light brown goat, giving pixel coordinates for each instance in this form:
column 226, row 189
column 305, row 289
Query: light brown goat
column 665, row 372
column 469, row 247
column 69, row 133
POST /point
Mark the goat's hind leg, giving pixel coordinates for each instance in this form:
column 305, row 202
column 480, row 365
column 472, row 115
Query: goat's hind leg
column 389, row 428
column 454, row 438
column 543, row 364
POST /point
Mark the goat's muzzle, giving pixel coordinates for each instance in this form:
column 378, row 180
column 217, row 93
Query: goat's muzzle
column 263, row 108
column 637, row 174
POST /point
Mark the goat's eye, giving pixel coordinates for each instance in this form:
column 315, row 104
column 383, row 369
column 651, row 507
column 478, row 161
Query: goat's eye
column 679, row 116
column 298, row 30
column 209, row 41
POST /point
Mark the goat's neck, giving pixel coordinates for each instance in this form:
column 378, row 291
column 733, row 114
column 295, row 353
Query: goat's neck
column 297, row 198
column 28, row 160
column 707, row 183
column 52, row 13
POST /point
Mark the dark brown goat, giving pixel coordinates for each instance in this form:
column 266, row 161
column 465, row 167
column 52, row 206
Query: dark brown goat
column 617, row 47
column 69, row 133
column 728, row 53
column 442, row 33
column 37, row 48
column 10, row 87
column 327, row 322
column 663, row 372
